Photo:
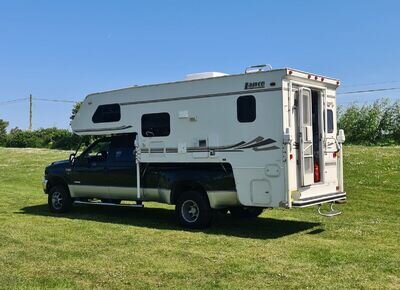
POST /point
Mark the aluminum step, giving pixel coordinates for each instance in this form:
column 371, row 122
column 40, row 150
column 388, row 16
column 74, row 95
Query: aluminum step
column 319, row 199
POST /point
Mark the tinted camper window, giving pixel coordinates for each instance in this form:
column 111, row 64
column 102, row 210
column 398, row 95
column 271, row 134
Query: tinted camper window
column 246, row 109
column 330, row 121
column 156, row 125
column 107, row 113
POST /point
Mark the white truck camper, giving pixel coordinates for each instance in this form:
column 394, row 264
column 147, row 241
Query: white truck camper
column 272, row 132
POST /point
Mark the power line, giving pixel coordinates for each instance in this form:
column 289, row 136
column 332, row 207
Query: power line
column 37, row 99
column 55, row 100
column 370, row 84
column 369, row 91
column 31, row 98
column 13, row 101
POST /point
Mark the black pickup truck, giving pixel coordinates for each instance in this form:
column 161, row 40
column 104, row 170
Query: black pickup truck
column 105, row 173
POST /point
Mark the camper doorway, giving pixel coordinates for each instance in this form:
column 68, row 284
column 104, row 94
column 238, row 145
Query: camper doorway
column 310, row 126
column 317, row 123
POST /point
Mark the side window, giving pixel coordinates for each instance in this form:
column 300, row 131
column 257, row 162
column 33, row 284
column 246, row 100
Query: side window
column 123, row 148
column 156, row 125
column 107, row 113
column 98, row 152
column 330, row 121
column 246, row 109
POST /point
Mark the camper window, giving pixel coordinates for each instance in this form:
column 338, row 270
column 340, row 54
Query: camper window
column 246, row 109
column 156, row 125
column 107, row 113
column 330, row 121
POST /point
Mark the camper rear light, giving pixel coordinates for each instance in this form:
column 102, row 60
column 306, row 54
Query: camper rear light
column 337, row 188
column 291, row 156
column 334, row 154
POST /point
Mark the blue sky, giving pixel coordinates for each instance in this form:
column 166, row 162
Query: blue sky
column 67, row 49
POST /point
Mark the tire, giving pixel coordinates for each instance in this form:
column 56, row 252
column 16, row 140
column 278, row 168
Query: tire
column 193, row 210
column 59, row 200
column 246, row 212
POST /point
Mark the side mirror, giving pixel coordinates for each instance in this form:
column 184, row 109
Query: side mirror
column 72, row 158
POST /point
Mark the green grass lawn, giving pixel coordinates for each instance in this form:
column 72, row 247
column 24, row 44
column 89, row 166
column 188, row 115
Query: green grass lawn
column 100, row 247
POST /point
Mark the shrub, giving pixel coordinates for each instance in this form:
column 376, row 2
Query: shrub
column 52, row 138
column 377, row 123
column 23, row 139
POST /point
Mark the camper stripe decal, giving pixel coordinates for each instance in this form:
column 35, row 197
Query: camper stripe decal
column 255, row 140
column 257, row 144
column 266, row 148
column 200, row 96
column 103, row 129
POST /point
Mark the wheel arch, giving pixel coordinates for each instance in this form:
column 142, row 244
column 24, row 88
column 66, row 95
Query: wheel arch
column 182, row 186
column 56, row 181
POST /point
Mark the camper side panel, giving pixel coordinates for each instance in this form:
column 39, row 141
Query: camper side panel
column 209, row 130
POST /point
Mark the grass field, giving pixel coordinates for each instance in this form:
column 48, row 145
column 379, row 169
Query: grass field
column 112, row 248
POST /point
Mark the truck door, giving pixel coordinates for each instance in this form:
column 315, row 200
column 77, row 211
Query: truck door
column 89, row 173
column 306, row 137
column 121, row 167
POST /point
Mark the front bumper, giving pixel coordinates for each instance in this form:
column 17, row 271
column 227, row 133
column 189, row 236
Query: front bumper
column 44, row 185
column 320, row 199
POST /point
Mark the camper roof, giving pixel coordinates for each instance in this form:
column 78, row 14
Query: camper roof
column 210, row 75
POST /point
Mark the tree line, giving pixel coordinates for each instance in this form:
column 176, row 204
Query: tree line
column 52, row 138
column 370, row 124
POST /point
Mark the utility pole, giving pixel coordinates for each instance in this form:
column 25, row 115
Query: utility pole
column 30, row 112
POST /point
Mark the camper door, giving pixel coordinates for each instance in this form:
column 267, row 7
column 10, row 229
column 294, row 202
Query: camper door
column 306, row 137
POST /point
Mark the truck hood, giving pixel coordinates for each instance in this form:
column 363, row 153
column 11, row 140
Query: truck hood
column 57, row 167
column 61, row 163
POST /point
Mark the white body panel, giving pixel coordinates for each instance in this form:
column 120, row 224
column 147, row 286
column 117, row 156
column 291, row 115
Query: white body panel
column 206, row 110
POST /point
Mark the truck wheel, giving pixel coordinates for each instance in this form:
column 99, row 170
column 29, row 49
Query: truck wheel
column 193, row 210
column 246, row 212
column 59, row 200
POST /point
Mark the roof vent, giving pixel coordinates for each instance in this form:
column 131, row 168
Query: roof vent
column 257, row 68
column 204, row 75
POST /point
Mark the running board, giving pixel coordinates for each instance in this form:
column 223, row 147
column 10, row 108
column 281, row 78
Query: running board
column 320, row 199
column 108, row 203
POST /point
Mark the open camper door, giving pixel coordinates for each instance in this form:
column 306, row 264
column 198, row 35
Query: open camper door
column 306, row 137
